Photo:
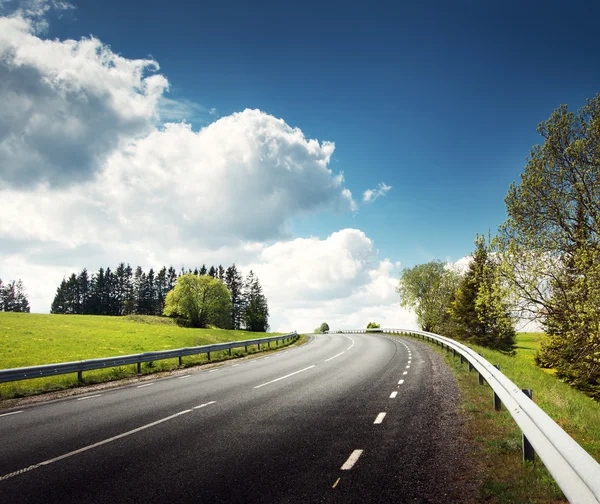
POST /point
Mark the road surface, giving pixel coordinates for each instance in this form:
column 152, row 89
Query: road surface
column 345, row 418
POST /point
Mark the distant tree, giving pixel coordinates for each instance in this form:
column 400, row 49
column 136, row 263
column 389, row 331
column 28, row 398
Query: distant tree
column 323, row 328
column 13, row 297
column 479, row 308
column 203, row 270
column 201, row 299
column 373, row 325
column 235, row 284
column 255, row 315
column 429, row 289
column 212, row 272
column 221, row 273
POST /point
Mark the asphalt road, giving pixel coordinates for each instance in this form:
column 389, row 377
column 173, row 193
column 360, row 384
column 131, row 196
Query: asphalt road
column 360, row 418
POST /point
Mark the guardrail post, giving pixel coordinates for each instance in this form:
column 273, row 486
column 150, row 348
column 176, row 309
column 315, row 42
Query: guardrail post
column 208, row 353
column 528, row 451
column 470, row 367
column 454, row 352
column 80, row 376
column 462, row 358
column 180, row 361
column 269, row 344
column 246, row 348
column 481, row 380
column 259, row 346
column 497, row 401
column 139, row 367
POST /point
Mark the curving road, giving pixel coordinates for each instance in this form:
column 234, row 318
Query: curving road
column 361, row 418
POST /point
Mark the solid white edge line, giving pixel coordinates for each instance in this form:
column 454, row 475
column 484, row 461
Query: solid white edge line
column 11, row 413
column 145, row 385
column 337, row 355
column 354, row 456
column 186, row 376
column 204, row 405
column 95, row 445
column 234, row 365
column 284, row 377
column 88, row 397
column 379, row 418
column 393, row 395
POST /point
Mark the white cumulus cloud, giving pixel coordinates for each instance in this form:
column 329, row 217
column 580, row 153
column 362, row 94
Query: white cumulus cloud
column 370, row 195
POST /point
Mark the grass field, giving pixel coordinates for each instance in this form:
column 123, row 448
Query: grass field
column 35, row 339
column 497, row 439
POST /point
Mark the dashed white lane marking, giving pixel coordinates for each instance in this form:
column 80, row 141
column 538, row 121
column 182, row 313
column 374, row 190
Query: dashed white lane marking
column 393, row 395
column 234, row 365
column 408, row 367
column 284, row 377
column 379, row 418
column 266, row 358
column 96, row 445
column 400, row 382
column 213, row 370
column 145, row 385
column 337, row 355
column 405, row 372
column 88, row 397
column 185, row 376
column 354, row 456
column 11, row 413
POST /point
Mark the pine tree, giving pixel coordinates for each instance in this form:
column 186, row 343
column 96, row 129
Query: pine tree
column 235, row 284
column 256, row 311
column 479, row 309
column 203, row 270
column 58, row 304
column 221, row 273
column 22, row 304
column 212, row 272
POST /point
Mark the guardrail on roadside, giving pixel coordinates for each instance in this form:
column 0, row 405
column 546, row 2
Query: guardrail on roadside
column 27, row 373
column 574, row 470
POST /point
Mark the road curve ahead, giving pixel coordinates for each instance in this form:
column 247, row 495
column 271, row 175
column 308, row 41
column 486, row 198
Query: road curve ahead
column 361, row 418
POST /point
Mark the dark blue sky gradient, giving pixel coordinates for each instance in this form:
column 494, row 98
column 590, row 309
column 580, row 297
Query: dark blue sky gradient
column 438, row 99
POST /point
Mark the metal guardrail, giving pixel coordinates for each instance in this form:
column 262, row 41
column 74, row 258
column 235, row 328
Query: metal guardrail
column 574, row 470
column 27, row 373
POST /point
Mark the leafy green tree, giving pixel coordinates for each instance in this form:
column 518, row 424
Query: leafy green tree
column 479, row 309
column 373, row 325
column 235, row 284
column 255, row 315
column 429, row 289
column 323, row 328
column 550, row 243
column 13, row 297
column 203, row 300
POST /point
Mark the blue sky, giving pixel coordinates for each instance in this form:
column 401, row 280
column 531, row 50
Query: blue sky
column 439, row 100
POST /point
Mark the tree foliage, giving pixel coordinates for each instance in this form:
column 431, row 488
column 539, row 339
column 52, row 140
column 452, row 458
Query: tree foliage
column 322, row 329
column 373, row 325
column 550, row 242
column 203, row 300
column 13, row 297
column 255, row 312
column 479, row 310
column 429, row 289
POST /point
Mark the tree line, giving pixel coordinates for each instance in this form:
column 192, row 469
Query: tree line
column 543, row 264
column 125, row 291
column 13, row 297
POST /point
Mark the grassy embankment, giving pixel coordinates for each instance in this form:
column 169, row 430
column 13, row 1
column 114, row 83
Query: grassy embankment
column 34, row 339
column 496, row 437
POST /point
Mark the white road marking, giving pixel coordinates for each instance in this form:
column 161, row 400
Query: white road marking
column 400, row 382
column 204, row 405
column 266, row 358
column 234, row 365
column 405, row 372
column 88, row 397
column 145, row 385
column 379, row 418
column 350, row 340
column 337, row 355
column 393, row 395
column 284, row 377
column 185, row 376
column 408, row 367
column 11, row 413
column 354, row 456
column 213, row 370
column 89, row 447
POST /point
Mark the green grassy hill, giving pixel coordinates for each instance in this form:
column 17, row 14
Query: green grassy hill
column 34, row 339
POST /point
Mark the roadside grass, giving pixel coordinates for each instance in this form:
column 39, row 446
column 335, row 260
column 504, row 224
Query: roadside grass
column 36, row 339
column 496, row 438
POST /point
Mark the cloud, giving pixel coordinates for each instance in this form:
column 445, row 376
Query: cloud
column 340, row 280
column 370, row 195
column 89, row 177
column 67, row 105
